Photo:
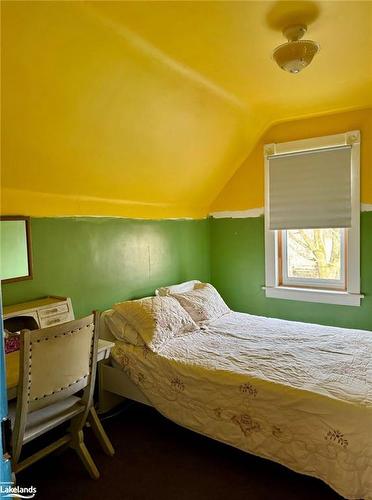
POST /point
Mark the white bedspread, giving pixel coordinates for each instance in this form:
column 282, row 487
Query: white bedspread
column 296, row 393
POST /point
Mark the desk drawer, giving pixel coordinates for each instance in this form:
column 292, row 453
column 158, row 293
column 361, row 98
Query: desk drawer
column 52, row 311
column 55, row 320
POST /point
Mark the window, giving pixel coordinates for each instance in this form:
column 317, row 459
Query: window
column 312, row 219
column 313, row 258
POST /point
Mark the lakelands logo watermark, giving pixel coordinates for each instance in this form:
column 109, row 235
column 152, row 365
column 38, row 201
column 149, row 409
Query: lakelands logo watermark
column 8, row 490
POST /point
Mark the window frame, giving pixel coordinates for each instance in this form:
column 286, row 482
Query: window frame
column 350, row 295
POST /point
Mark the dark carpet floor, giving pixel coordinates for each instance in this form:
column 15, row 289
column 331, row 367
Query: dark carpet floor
column 156, row 459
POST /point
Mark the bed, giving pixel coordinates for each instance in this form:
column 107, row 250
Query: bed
column 299, row 394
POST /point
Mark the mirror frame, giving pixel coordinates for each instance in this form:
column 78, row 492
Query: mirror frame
column 29, row 247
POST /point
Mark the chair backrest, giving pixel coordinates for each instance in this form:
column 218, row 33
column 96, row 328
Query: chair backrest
column 57, row 362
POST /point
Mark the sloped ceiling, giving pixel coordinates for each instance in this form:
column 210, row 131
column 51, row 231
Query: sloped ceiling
column 147, row 108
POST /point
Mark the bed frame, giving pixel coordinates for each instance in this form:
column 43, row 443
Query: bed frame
column 114, row 385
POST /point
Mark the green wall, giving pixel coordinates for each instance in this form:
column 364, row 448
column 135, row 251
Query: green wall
column 99, row 261
column 238, row 272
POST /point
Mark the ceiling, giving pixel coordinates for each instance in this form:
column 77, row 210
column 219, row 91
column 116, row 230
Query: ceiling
column 148, row 108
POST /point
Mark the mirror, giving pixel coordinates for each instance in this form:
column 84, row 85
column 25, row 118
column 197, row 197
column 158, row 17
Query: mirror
column 15, row 249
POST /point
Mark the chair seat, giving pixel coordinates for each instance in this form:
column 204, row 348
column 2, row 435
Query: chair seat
column 46, row 419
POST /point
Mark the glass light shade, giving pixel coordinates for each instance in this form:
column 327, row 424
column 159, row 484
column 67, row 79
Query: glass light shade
column 295, row 56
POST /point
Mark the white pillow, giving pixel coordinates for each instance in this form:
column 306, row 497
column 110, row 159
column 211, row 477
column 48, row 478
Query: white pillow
column 186, row 286
column 203, row 303
column 156, row 319
column 121, row 329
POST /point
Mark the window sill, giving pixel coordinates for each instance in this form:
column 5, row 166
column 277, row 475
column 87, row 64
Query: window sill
column 314, row 295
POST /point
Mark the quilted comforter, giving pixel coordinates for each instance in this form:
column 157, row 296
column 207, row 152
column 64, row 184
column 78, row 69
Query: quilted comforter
column 299, row 394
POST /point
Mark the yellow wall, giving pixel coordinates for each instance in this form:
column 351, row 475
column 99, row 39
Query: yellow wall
column 245, row 190
column 97, row 121
column 146, row 109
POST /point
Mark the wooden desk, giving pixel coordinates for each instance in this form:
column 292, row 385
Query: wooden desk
column 48, row 311
column 12, row 365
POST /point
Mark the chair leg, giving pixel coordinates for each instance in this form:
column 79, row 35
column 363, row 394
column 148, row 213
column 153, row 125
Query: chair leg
column 79, row 446
column 100, row 433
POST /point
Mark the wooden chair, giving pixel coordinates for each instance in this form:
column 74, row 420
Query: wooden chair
column 55, row 364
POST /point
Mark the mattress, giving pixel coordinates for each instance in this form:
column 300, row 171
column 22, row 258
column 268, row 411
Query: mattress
column 299, row 394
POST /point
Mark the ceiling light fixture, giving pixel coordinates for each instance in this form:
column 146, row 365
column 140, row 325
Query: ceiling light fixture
column 296, row 54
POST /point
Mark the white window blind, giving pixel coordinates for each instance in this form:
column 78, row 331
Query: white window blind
column 310, row 189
